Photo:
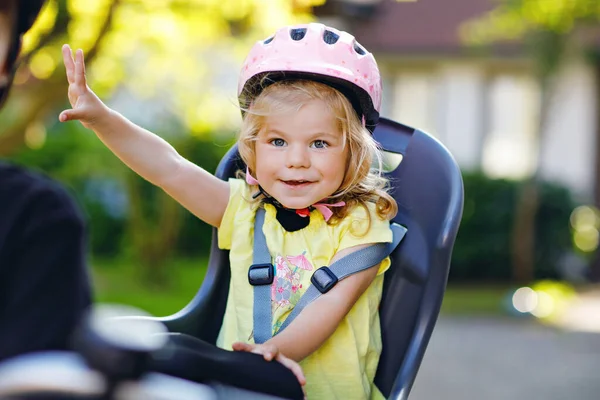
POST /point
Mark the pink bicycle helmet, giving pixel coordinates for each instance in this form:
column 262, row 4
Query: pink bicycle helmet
column 320, row 53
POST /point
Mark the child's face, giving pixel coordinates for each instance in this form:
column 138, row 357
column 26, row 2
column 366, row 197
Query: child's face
column 300, row 156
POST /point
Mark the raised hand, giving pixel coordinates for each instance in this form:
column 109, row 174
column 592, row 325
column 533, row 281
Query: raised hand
column 86, row 106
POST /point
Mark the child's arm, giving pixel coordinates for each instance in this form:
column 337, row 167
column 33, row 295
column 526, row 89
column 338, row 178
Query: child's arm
column 147, row 154
column 319, row 320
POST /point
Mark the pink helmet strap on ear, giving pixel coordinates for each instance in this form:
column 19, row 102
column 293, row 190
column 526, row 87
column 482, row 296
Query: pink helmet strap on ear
column 250, row 180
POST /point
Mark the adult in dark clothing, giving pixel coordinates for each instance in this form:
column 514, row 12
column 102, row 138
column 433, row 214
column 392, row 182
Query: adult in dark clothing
column 44, row 285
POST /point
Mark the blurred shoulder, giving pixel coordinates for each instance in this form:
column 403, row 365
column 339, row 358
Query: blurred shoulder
column 26, row 190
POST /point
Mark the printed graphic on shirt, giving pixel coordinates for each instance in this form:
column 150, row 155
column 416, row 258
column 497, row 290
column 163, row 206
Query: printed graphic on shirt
column 287, row 287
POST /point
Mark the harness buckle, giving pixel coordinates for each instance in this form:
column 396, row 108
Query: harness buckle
column 324, row 279
column 261, row 274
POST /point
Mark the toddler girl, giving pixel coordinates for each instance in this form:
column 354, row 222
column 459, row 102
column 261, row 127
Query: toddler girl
column 310, row 98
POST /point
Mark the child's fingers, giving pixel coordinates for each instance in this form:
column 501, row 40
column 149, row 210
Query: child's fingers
column 79, row 69
column 294, row 367
column 70, row 115
column 69, row 64
column 241, row 346
column 270, row 352
column 82, row 61
column 65, row 116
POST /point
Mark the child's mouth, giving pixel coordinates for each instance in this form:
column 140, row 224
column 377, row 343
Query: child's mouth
column 297, row 183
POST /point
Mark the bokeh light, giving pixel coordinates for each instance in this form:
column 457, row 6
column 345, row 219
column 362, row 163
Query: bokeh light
column 545, row 305
column 525, row 300
column 42, row 64
column 585, row 222
column 545, row 300
column 35, row 135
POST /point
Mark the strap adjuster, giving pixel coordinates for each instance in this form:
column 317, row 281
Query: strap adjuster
column 324, row 279
column 261, row 274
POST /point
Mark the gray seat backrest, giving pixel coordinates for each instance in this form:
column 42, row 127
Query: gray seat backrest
column 427, row 186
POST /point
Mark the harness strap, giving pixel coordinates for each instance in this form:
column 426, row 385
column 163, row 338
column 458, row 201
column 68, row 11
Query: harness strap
column 323, row 279
column 262, row 318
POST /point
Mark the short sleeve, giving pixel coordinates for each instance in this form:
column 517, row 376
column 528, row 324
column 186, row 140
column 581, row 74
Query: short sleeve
column 236, row 204
column 356, row 229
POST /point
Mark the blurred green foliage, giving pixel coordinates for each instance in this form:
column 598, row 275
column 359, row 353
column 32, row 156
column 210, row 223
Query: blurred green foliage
column 483, row 246
column 78, row 159
column 116, row 281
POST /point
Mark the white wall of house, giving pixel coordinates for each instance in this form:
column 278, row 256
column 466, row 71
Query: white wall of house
column 569, row 140
column 486, row 113
column 461, row 118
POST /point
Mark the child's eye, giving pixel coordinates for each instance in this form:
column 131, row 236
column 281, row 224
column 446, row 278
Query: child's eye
column 320, row 144
column 278, row 142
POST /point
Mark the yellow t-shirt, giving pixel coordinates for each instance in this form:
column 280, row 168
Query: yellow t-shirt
column 344, row 366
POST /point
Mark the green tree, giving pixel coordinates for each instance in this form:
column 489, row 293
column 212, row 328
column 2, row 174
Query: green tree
column 548, row 31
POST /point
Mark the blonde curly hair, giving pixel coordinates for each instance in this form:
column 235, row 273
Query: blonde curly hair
column 362, row 184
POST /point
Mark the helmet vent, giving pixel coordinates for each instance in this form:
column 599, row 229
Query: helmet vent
column 269, row 40
column 298, row 33
column 359, row 49
column 330, row 37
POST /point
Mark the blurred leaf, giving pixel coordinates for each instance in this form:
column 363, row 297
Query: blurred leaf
column 544, row 26
column 513, row 19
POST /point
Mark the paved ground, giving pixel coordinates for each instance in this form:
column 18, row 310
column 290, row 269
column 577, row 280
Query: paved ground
column 499, row 359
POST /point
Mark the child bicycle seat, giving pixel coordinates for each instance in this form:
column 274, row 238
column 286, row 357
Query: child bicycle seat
column 427, row 185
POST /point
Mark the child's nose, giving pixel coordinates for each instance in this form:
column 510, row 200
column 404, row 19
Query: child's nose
column 297, row 157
